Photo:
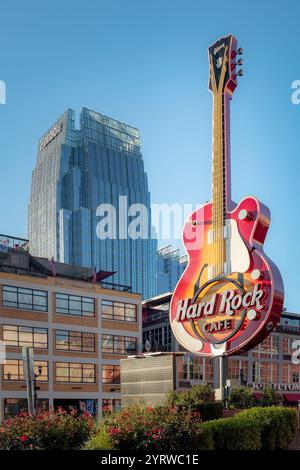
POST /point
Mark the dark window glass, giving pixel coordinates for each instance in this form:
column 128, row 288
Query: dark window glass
column 74, row 341
column 111, row 404
column 75, row 305
column 13, row 406
column 25, row 299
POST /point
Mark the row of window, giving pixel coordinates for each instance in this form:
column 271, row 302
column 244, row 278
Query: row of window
column 71, row 372
column 13, row 406
column 66, row 340
column 263, row 372
column 66, row 304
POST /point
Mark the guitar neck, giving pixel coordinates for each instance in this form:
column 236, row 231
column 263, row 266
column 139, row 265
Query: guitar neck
column 221, row 191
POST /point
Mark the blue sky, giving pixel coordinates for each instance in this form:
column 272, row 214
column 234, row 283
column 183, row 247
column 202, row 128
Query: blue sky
column 145, row 62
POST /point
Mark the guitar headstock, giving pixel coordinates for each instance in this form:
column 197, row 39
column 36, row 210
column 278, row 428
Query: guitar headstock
column 223, row 63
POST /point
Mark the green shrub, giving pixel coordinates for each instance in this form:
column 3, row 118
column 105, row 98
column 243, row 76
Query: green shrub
column 207, row 437
column 240, row 398
column 257, row 428
column 48, row 430
column 152, row 429
column 269, row 397
column 230, row 434
column 197, row 398
column 191, row 398
column 278, row 425
column 100, row 440
column 211, row 410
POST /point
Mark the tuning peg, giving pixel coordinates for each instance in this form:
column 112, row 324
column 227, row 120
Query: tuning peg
column 240, row 62
column 240, row 51
column 240, row 73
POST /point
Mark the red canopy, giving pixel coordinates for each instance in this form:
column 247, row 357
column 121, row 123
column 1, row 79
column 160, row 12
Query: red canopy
column 257, row 394
column 292, row 396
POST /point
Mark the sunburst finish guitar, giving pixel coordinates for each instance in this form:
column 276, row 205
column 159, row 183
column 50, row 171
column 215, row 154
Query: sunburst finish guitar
column 231, row 294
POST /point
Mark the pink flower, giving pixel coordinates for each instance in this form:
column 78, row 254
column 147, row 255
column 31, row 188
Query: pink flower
column 23, row 438
column 114, row 431
column 149, row 409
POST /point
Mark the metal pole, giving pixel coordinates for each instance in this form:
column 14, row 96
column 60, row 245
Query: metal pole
column 222, row 376
column 29, row 383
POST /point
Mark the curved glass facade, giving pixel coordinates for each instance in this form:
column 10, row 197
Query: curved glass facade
column 76, row 171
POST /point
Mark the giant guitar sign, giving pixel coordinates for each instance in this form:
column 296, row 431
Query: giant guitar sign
column 230, row 296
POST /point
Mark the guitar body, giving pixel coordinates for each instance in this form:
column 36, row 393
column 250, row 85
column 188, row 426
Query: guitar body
column 230, row 296
column 244, row 242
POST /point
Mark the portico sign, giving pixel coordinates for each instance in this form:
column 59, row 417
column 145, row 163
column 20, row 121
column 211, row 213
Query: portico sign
column 293, row 387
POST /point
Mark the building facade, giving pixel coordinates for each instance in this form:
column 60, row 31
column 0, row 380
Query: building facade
column 170, row 266
column 78, row 329
column 78, row 173
column 273, row 362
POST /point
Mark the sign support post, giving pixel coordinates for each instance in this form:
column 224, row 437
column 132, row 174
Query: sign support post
column 221, row 393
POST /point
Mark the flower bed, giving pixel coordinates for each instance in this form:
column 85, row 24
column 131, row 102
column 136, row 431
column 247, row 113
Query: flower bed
column 146, row 428
column 53, row 430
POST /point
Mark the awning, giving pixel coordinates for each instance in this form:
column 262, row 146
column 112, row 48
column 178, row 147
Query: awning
column 292, row 396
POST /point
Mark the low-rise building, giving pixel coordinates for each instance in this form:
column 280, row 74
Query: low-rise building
column 78, row 324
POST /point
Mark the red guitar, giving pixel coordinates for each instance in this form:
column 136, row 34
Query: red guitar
column 231, row 295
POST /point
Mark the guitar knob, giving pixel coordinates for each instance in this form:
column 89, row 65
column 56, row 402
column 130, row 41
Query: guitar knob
column 256, row 274
column 251, row 314
column 240, row 51
column 240, row 62
column 240, row 72
column 244, row 215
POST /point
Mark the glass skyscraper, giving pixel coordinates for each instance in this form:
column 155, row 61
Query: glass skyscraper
column 77, row 170
column 170, row 266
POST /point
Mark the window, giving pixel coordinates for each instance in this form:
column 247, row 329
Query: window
column 119, row 344
column 26, row 299
column 209, row 370
column 183, row 368
column 196, row 368
column 294, row 373
column 119, row 311
column 268, row 348
column 74, row 341
column 286, row 345
column 237, row 369
column 110, row 374
column 13, row 370
column 74, row 372
column 13, row 406
column 155, row 338
column 265, row 372
column 167, row 335
column 68, row 304
column 32, row 337
column 111, row 404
